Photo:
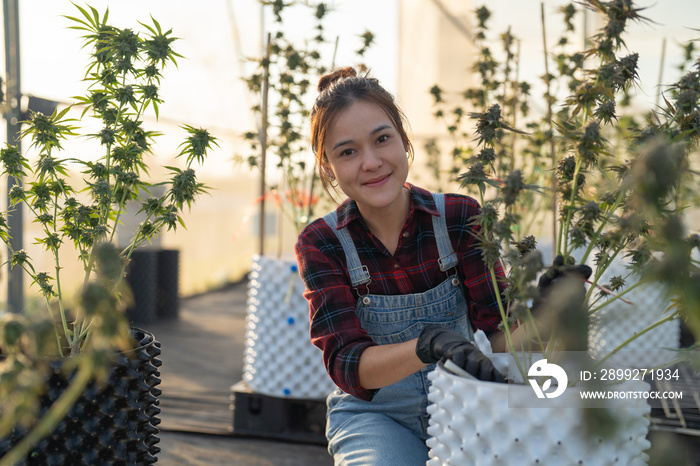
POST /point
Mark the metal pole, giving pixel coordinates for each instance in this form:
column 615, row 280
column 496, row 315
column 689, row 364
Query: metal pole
column 15, row 278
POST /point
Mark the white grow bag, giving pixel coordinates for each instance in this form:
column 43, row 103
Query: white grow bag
column 618, row 321
column 471, row 424
column 279, row 358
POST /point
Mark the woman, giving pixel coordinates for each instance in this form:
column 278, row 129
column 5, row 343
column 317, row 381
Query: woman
column 394, row 278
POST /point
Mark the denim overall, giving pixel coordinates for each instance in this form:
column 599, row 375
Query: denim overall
column 391, row 429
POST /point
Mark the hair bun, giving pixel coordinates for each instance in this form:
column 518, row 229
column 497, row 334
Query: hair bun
column 329, row 78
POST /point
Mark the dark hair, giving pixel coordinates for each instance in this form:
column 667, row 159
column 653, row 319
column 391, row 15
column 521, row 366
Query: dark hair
column 337, row 91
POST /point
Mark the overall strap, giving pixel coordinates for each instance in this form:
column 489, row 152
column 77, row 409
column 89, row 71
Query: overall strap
column 359, row 274
column 448, row 258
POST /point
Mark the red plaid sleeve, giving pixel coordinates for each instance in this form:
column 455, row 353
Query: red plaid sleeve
column 335, row 328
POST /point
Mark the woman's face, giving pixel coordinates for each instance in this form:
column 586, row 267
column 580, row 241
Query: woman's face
column 367, row 156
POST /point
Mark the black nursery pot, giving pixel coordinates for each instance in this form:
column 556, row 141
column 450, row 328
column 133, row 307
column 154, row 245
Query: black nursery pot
column 110, row 424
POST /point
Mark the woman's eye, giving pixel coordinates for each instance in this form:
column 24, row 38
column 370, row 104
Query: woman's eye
column 346, row 152
column 382, row 138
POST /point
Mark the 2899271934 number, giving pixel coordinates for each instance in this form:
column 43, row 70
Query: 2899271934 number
column 638, row 374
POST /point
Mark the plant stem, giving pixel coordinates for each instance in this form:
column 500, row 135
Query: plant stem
column 504, row 319
column 114, row 188
column 59, row 291
column 32, row 274
column 51, row 314
column 119, row 213
column 602, row 225
column 600, row 270
column 104, row 215
column 615, row 297
column 569, row 214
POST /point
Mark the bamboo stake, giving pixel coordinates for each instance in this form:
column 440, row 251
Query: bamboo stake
column 552, row 146
column 263, row 143
column 310, row 210
column 515, row 84
column 661, row 72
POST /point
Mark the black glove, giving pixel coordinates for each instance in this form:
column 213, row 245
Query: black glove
column 561, row 297
column 558, row 272
column 437, row 343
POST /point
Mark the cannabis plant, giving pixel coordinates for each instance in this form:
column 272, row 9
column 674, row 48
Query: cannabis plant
column 620, row 184
column 123, row 78
column 285, row 80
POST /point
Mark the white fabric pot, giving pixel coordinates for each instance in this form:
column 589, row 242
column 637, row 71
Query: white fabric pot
column 618, row 321
column 471, row 424
column 279, row 359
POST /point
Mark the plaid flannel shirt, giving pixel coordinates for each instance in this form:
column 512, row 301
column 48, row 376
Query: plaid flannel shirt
column 413, row 268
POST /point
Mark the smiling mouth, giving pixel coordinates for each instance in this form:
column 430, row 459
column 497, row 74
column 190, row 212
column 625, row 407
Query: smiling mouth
column 377, row 181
